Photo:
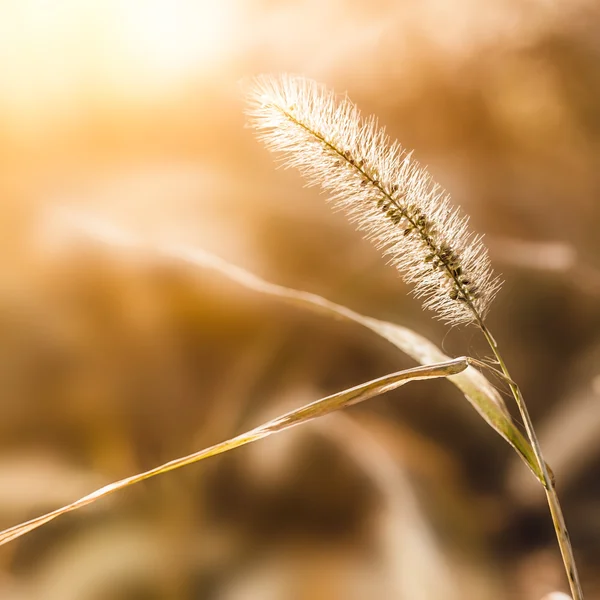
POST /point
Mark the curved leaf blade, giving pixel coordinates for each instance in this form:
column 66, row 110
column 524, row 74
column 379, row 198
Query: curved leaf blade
column 302, row 415
column 480, row 393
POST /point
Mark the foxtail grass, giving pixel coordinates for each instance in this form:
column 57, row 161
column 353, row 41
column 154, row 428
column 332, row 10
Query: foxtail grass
column 396, row 203
column 394, row 200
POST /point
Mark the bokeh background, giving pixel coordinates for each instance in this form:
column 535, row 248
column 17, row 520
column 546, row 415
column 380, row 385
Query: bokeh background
column 130, row 112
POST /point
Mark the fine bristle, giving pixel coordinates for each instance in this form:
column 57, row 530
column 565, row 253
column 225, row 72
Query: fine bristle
column 383, row 190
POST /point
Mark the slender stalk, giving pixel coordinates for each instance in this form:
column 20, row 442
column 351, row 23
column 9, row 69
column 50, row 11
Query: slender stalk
column 558, row 520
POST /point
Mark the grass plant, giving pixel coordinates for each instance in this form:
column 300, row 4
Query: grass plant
column 396, row 203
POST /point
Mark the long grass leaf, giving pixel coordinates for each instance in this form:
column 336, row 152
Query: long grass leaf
column 316, row 409
column 480, row 393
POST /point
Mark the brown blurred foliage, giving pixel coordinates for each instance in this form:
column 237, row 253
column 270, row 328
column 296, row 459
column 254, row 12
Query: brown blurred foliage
column 112, row 362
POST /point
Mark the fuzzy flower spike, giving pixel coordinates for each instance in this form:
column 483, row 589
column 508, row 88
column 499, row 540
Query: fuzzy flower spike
column 384, row 191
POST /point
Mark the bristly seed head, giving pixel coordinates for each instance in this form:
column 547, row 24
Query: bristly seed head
column 389, row 195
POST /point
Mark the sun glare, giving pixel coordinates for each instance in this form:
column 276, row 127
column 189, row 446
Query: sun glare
column 175, row 39
column 55, row 55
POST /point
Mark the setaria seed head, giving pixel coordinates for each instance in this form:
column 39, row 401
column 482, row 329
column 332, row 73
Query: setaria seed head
column 382, row 189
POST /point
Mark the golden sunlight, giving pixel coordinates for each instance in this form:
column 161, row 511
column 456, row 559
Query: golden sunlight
column 174, row 39
column 55, row 56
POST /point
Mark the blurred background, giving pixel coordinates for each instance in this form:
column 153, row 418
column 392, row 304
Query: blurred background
column 131, row 112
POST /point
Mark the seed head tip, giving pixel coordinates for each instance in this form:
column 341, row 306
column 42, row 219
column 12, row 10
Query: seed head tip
column 383, row 190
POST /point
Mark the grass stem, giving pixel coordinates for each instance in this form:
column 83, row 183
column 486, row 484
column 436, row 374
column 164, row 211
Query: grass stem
column 558, row 520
